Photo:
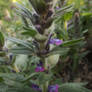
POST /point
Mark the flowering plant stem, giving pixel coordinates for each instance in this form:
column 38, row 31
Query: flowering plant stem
column 45, row 87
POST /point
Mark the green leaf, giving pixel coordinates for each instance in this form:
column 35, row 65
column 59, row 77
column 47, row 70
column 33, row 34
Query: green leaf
column 1, row 40
column 13, row 86
column 21, row 88
column 24, row 12
column 34, row 59
column 2, row 53
column 21, row 42
column 3, row 87
column 30, row 76
column 5, row 68
column 2, row 59
column 85, row 31
column 25, row 21
column 30, row 32
column 58, row 81
column 58, row 50
column 88, row 14
column 63, row 10
column 20, row 50
column 71, row 42
column 73, row 87
column 12, row 76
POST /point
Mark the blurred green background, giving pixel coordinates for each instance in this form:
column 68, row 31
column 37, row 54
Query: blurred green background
column 10, row 23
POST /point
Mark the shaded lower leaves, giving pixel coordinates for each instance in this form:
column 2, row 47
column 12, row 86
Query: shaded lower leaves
column 73, row 87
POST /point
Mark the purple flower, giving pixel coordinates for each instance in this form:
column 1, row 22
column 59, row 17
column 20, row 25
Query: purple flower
column 56, row 41
column 39, row 67
column 57, row 7
column 36, row 87
column 53, row 88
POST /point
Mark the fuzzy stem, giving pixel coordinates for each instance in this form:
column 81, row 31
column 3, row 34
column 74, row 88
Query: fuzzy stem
column 45, row 87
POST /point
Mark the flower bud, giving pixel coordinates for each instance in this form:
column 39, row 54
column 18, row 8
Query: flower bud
column 39, row 67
